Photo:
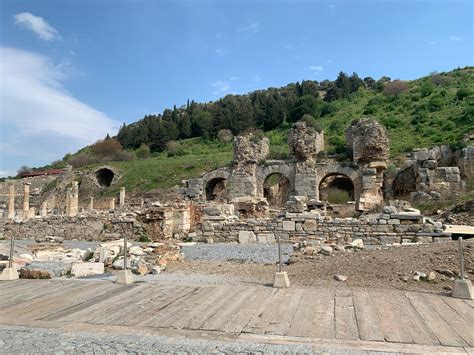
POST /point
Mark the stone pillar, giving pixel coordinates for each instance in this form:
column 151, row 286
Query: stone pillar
column 74, row 200
column 112, row 203
column 91, row 204
column 122, row 196
column 11, row 202
column 26, row 201
column 31, row 213
column 68, row 201
column 44, row 209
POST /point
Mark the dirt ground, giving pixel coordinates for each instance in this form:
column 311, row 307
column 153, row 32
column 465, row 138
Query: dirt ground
column 393, row 267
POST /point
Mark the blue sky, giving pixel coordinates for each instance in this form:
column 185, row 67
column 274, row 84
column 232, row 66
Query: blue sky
column 71, row 71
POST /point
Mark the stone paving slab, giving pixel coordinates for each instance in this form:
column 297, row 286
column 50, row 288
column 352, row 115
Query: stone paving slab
column 370, row 319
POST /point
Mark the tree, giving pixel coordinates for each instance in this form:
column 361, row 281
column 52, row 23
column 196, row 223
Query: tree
column 24, row 170
column 395, row 88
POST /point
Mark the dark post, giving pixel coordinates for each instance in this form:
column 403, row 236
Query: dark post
column 12, row 246
column 125, row 252
column 279, row 253
column 461, row 258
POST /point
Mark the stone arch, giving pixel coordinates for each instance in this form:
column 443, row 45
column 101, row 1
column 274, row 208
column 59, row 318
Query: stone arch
column 276, row 189
column 216, row 189
column 104, row 177
column 265, row 171
column 341, row 175
column 217, row 178
column 336, row 181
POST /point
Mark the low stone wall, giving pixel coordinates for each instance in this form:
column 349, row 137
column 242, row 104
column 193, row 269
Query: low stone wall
column 91, row 228
column 296, row 227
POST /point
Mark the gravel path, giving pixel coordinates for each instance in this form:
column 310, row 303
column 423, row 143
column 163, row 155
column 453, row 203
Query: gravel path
column 257, row 253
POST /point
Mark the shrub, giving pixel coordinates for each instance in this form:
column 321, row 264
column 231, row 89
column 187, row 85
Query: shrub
column 225, row 136
column 106, row 147
column 436, row 102
column 338, row 196
column 83, row 159
column 143, row 151
column 312, row 123
column 438, row 79
column 395, row 87
column 174, row 149
column 463, row 93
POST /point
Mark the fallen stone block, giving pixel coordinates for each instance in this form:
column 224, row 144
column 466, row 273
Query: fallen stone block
column 247, row 237
column 87, row 269
column 45, row 270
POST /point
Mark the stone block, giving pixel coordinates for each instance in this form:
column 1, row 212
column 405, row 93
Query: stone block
column 87, row 269
column 281, row 280
column 288, row 225
column 394, row 221
column 9, row 274
column 124, row 277
column 463, row 289
column 310, row 225
column 265, row 238
column 247, row 237
column 430, row 164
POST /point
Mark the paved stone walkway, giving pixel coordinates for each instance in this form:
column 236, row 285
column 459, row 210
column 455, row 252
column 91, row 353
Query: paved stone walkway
column 101, row 317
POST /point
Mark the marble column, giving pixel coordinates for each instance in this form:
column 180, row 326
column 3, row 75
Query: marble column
column 122, row 196
column 91, row 204
column 112, row 203
column 26, row 201
column 74, row 200
column 11, row 202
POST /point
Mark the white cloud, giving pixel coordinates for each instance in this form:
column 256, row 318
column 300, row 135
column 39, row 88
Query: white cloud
column 253, row 28
column 40, row 121
column 332, row 6
column 38, row 25
column 233, row 78
column 316, row 68
column 221, row 87
column 455, row 38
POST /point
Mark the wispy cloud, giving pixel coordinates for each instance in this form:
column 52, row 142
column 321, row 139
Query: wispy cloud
column 38, row 25
column 40, row 120
column 233, row 78
column 220, row 87
column 221, row 51
column 332, row 6
column 455, row 38
column 316, row 68
column 252, row 28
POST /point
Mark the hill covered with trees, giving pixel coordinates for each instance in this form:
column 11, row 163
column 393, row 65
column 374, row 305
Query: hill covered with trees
column 435, row 109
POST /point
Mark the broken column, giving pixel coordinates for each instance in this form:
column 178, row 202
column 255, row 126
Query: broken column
column 91, row 204
column 68, row 201
column 122, row 196
column 44, row 209
column 26, row 201
column 11, row 202
column 112, row 203
column 74, row 200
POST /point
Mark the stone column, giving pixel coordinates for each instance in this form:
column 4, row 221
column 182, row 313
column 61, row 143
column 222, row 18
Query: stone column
column 26, row 201
column 31, row 213
column 11, row 202
column 44, row 209
column 112, row 203
column 91, row 204
column 122, row 196
column 68, row 201
column 74, row 200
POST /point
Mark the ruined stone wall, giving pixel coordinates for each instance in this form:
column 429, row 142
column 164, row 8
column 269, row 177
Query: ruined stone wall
column 297, row 227
column 305, row 142
column 91, row 228
column 367, row 140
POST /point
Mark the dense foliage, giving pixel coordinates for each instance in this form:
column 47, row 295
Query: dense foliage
column 432, row 110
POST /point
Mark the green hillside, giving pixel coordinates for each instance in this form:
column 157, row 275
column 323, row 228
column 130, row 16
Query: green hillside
column 432, row 110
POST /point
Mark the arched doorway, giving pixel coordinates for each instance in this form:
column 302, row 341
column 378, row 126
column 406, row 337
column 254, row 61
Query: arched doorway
column 104, row 177
column 276, row 189
column 216, row 190
column 336, row 188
